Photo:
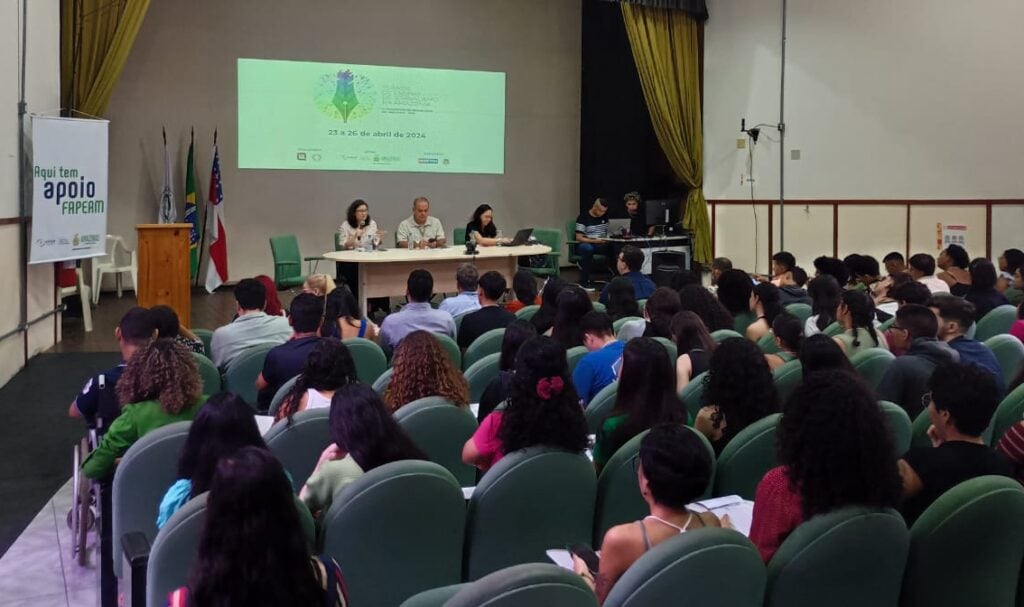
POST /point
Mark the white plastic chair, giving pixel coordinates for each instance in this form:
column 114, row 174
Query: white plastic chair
column 82, row 290
column 118, row 260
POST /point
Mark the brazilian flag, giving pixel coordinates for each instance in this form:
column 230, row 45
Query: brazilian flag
column 191, row 212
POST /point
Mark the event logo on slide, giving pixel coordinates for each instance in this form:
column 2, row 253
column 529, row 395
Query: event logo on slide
column 345, row 95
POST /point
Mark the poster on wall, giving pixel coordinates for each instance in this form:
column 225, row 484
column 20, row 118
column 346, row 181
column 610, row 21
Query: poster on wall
column 69, row 189
column 950, row 234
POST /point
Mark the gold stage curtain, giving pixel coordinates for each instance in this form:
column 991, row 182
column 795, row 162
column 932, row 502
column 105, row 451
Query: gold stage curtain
column 665, row 49
column 96, row 38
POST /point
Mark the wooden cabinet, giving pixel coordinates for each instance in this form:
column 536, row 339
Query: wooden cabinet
column 164, row 268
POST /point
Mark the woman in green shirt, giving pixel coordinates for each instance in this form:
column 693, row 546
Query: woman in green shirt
column 160, row 385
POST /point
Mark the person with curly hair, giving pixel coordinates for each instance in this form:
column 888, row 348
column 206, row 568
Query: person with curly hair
column 160, row 385
column 834, row 449
column 954, row 263
column 328, row 367
column 700, row 301
column 739, row 390
column 543, row 409
column 421, row 368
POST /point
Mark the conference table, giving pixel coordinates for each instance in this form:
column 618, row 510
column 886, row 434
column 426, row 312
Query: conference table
column 385, row 273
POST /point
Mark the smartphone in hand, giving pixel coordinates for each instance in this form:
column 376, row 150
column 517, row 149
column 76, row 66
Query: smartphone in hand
column 587, row 555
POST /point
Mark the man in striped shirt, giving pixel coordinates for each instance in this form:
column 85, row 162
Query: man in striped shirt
column 591, row 232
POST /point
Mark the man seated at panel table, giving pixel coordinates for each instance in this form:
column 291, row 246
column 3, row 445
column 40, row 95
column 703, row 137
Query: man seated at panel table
column 251, row 328
column 629, row 264
column 421, row 230
column 415, row 315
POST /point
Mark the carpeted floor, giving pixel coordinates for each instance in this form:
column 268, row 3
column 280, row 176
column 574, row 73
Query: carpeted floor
column 36, row 434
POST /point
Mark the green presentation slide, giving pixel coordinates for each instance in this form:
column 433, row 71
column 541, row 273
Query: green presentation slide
column 336, row 116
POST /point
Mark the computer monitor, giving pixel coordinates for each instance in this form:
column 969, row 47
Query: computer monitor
column 663, row 212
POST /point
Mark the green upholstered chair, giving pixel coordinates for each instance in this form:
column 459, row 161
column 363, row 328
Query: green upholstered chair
column 440, row 429
column 452, row 348
column 480, row 374
column 240, row 377
column 288, row 261
column 396, row 531
column 146, row 470
column 617, row 325
column 885, row 326
column 900, row 427
column 967, row 547
column 618, row 492
column 723, row 334
column 488, row 343
column 1009, row 412
column 370, row 359
column 833, row 329
column 210, row 374
column 998, row 321
column 919, row 430
column 298, row 444
column 678, row 570
column 872, row 364
column 600, row 406
column 692, row 395
column 534, row 584
column 458, row 238
column 530, row 501
column 599, row 307
column 573, row 356
column 552, row 239
column 746, row 459
column 526, row 312
column 800, row 310
column 787, row 378
column 850, row 557
column 741, row 321
column 279, row 396
column 205, row 335
column 767, row 343
column 670, row 348
column 641, row 304
column 458, row 320
column 1009, row 351
column 380, row 385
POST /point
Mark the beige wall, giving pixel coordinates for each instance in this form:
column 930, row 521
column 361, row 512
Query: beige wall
column 182, row 73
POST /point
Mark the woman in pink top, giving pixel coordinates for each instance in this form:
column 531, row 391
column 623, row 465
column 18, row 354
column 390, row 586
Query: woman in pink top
column 542, row 409
column 835, row 451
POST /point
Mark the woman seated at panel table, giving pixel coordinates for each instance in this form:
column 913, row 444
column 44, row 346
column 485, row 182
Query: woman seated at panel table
column 482, row 229
column 357, row 229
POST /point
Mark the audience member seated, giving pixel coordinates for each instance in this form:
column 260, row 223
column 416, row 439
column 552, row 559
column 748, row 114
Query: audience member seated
column 591, row 232
column 645, row 398
column 765, row 306
column 906, row 380
column 885, row 304
column 782, row 263
column 701, row 302
column 481, row 228
column 223, row 425
column 914, row 292
column 961, row 400
column 422, row 368
column 159, row 385
column 694, row 346
column 719, row 265
column 524, row 287
column 682, row 278
column 496, row 392
column 598, row 367
column 789, row 336
column 955, row 317
column 365, row 436
column 621, row 299
column 573, row 304
column 543, row 409
column 1009, row 263
column 734, row 289
column 328, row 367
column 320, row 285
column 894, row 263
column 467, row 279
column 982, row 291
column 252, row 550
column 98, row 398
column 544, row 319
column 167, row 325
column 273, row 306
column 856, row 314
column 922, row 267
column 833, row 267
column 417, row 315
column 420, row 230
column 673, row 470
column 252, row 326
column 636, row 215
column 342, row 318
column 661, row 307
column 954, row 261
column 835, row 451
column 287, row 360
column 864, row 274
column 825, row 294
column 791, row 287
column 491, row 315
column 628, row 265
column 739, row 390
column 820, row 353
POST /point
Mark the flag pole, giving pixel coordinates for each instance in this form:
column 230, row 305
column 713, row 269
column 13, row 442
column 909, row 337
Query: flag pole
column 202, row 235
column 202, row 231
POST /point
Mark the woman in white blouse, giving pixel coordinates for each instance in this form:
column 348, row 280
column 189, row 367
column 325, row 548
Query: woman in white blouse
column 357, row 229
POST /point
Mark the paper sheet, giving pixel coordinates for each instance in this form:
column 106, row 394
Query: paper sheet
column 264, row 422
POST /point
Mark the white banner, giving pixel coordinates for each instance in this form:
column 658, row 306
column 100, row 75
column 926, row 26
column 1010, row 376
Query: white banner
column 69, row 188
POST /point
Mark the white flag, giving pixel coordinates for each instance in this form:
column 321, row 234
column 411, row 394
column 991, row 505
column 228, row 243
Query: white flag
column 168, row 212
